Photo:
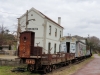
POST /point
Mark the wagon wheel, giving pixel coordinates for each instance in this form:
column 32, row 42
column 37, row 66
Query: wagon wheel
column 65, row 63
column 45, row 69
column 69, row 62
column 54, row 67
column 30, row 68
column 49, row 69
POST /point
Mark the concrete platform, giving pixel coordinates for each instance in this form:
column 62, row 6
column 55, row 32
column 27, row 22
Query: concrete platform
column 8, row 57
column 8, row 60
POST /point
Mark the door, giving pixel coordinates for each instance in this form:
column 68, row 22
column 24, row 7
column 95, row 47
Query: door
column 68, row 47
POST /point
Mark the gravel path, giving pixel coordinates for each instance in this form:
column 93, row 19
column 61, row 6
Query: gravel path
column 92, row 68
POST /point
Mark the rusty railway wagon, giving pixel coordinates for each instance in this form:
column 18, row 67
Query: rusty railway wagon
column 34, row 57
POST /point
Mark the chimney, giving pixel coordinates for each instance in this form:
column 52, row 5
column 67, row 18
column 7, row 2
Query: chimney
column 59, row 20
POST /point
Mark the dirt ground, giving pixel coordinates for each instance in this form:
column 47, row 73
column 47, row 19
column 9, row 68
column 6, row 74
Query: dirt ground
column 92, row 68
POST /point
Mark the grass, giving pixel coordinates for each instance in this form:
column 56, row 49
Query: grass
column 99, row 54
column 6, row 70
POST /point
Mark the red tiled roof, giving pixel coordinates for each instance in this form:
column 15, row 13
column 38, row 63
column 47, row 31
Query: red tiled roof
column 50, row 19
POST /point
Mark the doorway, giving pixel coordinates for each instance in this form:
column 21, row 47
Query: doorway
column 68, row 47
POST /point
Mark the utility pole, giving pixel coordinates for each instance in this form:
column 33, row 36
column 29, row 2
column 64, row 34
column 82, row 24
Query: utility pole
column 27, row 21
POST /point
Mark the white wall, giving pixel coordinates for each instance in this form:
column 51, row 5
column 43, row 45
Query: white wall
column 52, row 45
column 53, row 26
column 52, row 38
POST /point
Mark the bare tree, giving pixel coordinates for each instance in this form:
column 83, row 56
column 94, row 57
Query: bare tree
column 94, row 42
column 2, row 29
column 5, row 38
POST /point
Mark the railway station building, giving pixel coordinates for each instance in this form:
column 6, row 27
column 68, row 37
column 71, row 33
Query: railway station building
column 47, row 31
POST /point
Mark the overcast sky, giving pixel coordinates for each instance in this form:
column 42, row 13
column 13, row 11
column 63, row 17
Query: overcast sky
column 78, row 17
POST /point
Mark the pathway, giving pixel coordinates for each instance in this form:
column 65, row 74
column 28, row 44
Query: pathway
column 92, row 68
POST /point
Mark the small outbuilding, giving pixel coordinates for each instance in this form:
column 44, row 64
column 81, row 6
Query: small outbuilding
column 73, row 45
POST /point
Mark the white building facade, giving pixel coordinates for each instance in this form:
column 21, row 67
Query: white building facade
column 47, row 32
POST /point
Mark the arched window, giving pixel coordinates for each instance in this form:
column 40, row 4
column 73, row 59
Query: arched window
column 59, row 47
column 49, row 46
column 55, row 48
column 55, row 32
column 49, row 30
column 60, row 34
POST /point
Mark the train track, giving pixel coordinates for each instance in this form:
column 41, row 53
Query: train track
column 60, row 69
column 63, row 68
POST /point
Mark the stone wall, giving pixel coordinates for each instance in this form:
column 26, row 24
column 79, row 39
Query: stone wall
column 9, row 62
column 8, row 52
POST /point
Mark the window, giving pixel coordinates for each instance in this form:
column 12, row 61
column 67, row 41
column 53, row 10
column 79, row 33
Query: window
column 59, row 47
column 31, row 14
column 54, row 48
column 55, row 32
column 49, row 30
column 60, row 34
column 49, row 46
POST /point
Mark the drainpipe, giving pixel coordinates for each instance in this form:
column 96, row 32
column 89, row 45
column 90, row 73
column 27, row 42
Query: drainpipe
column 44, row 39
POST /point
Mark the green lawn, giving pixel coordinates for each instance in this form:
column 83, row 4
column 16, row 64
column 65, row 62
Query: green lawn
column 6, row 70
